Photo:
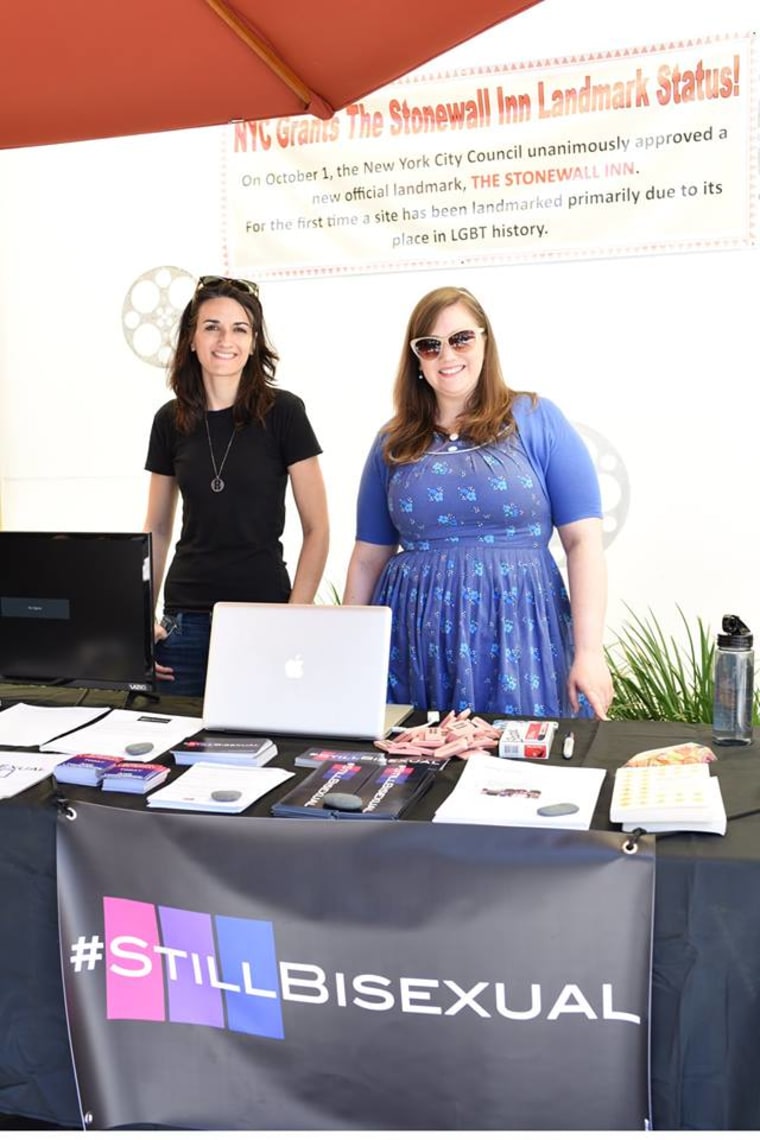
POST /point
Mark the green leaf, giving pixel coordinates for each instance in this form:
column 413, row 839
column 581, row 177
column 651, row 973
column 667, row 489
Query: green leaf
column 662, row 678
column 333, row 596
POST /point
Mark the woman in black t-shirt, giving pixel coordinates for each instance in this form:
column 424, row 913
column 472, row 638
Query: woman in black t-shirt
column 227, row 444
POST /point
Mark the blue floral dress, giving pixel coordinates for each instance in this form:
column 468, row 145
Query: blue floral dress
column 481, row 617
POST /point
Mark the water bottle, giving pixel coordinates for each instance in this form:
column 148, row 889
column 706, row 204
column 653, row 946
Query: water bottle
column 734, row 683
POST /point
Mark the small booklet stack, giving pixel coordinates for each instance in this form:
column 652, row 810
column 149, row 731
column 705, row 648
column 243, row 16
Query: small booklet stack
column 313, row 757
column 374, row 791
column 85, row 769
column 253, row 751
column 669, row 797
column 130, row 776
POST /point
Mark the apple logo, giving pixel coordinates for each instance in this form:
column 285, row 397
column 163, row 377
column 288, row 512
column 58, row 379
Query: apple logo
column 294, row 667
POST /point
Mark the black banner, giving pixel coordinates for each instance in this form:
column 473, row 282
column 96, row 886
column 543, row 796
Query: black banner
column 244, row 973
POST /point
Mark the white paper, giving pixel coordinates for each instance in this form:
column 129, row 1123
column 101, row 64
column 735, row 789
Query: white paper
column 21, row 770
column 111, row 735
column 29, row 726
column 493, row 790
column 194, row 789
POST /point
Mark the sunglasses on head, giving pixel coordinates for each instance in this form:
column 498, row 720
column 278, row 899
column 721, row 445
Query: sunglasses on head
column 236, row 282
column 431, row 347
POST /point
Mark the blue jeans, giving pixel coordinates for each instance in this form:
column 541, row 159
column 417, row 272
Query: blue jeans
column 185, row 650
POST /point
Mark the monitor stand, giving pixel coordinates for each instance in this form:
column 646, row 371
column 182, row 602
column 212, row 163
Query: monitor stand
column 132, row 695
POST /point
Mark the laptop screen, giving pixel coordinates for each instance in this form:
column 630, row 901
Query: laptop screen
column 299, row 670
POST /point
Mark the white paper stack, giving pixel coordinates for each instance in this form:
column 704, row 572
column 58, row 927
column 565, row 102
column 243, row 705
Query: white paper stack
column 516, row 793
column 122, row 729
column 226, row 788
column 27, row 726
column 668, row 797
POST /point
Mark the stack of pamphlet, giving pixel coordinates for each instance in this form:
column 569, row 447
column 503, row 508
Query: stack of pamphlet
column 669, row 797
column 364, row 790
column 129, row 776
column 85, row 769
column 516, row 793
column 226, row 749
column 110, row 773
column 313, row 757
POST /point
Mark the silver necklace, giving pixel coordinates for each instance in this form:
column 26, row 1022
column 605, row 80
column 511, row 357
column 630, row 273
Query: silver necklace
column 217, row 483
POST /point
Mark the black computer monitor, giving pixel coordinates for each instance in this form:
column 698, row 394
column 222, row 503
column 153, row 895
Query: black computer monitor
column 77, row 609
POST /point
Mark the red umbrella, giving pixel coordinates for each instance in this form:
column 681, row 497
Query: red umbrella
column 83, row 69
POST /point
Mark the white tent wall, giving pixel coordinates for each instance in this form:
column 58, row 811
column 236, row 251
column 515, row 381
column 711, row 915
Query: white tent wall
column 656, row 354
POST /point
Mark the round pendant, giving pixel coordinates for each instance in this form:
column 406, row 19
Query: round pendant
column 217, row 484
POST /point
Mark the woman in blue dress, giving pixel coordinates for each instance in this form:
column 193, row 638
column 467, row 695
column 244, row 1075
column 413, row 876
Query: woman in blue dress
column 459, row 497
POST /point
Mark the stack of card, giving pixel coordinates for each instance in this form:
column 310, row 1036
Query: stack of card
column 110, row 773
column 127, row 776
column 86, row 769
column 226, row 749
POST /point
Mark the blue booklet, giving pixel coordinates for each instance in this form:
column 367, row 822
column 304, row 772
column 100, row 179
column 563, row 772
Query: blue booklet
column 132, row 776
column 86, row 769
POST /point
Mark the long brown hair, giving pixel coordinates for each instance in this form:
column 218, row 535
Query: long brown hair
column 255, row 394
column 488, row 415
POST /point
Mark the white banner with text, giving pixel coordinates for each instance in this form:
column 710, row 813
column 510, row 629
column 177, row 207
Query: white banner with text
column 630, row 152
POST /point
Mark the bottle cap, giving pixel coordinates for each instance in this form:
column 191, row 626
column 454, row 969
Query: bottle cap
column 735, row 634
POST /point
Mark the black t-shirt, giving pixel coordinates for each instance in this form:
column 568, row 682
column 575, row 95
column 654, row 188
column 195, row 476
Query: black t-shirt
column 229, row 548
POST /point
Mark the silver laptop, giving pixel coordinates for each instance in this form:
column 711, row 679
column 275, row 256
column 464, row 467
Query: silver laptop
column 300, row 670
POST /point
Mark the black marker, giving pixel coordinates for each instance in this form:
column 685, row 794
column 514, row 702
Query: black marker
column 568, row 746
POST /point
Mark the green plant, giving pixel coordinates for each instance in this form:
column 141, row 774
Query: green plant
column 333, row 596
column 658, row 678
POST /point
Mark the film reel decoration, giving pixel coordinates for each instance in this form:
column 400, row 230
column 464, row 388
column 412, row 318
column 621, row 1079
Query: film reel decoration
column 151, row 312
column 613, row 480
column 613, row 483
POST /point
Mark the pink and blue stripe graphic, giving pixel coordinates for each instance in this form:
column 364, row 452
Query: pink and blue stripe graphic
column 191, row 967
